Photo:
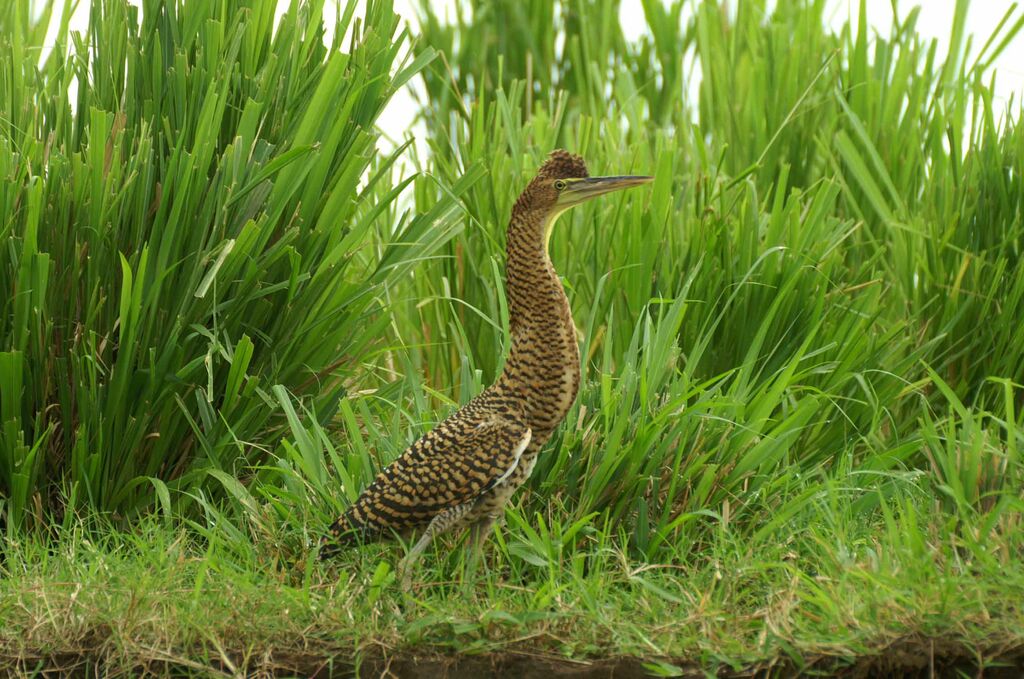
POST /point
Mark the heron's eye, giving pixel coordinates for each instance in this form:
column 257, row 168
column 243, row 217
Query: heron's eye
column 559, row 185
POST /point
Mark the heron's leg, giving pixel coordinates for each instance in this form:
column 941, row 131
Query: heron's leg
column 439, row 525
column 404, row 572
column 478, row 534
column 481, row 530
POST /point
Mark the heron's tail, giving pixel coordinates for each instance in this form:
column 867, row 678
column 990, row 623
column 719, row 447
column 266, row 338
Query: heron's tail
column 340, row 535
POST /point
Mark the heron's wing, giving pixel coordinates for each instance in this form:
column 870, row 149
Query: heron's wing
column 449, row 466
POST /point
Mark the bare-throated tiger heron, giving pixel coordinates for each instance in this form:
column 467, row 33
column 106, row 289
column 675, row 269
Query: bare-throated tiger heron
column 463, row 471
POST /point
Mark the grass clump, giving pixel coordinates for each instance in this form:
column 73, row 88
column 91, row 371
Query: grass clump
column 798, row 434
column 196, row 232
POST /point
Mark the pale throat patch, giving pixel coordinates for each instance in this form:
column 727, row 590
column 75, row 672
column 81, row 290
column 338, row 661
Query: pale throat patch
column 549, row 225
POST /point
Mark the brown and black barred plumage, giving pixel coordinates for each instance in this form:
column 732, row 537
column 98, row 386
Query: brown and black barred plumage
column 463, row 471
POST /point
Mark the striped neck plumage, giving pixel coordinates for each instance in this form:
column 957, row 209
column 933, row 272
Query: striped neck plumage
column 532, row 286
column 543, row 361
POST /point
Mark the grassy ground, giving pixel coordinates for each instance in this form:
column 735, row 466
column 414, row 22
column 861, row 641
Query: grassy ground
column 797, row 444
column 812, row 597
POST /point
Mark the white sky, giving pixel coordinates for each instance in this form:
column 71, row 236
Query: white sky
column 934, row 22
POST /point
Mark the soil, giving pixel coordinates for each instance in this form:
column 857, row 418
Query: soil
column 906, row 660
column 909, row 658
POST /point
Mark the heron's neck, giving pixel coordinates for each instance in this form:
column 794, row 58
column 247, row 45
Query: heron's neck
column 543, row 364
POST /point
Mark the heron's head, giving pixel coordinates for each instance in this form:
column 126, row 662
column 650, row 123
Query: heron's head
column 562, row 183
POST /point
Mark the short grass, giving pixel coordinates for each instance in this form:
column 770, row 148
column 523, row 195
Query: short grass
column 798, row 438
column 823, row 595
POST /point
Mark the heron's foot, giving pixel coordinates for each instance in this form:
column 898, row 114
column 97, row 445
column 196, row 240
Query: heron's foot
column 404, row 575
column 405, row 565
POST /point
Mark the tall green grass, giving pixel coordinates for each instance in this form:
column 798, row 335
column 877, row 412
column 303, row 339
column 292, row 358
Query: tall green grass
column 220, row 307
column 800, row 426
column 208, row 219
column 826, row 263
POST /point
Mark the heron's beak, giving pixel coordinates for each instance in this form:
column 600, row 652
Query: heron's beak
column 580, row 190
